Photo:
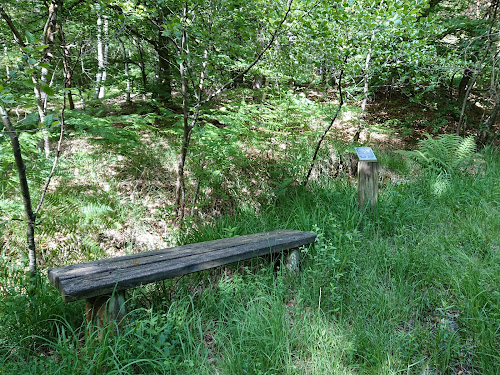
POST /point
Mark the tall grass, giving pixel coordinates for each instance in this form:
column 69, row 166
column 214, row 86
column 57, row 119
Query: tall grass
column 412, row 290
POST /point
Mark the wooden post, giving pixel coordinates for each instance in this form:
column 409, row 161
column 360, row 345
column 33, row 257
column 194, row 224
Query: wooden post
column 368, row 183
column 367, row 177
column 293, row 261
column 106, row 309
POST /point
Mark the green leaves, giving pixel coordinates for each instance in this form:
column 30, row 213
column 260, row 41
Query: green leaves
column 47, row 89
column 28, row 83
column 5, row 96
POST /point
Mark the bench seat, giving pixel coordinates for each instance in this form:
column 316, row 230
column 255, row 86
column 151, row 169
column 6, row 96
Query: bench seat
column 104, row 277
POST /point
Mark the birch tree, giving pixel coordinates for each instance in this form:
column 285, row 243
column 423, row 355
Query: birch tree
column 41, row 75
column 102, row 52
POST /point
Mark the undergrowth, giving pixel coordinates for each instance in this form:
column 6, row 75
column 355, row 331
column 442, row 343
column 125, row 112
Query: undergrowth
column 409, row 289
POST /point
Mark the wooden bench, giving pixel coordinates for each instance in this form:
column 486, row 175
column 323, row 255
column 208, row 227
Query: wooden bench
column 102, row 283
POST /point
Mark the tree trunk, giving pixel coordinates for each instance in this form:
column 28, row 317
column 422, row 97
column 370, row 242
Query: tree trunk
column 258, row 82
column 68, row 73
column 126, row 58
column 49, row 33
column 189, row 124
column 80, row 84
column 142, row 67
column 323, row 72
column 462, row 86
column 180, row 185
column 23, row 183
column 478, row 69
column 5, row 52
column 259, row 79
column 180, row 188
column 366, row 81
column 102, row 49
column 486, row 134
column 104, row 76
column 164, row 86
column 189, row 121
column 164, row 83
column 48, row 39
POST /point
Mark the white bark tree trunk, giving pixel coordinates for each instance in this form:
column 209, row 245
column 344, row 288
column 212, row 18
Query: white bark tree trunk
column 5, row 52
column 366, row 82
column 102, row 53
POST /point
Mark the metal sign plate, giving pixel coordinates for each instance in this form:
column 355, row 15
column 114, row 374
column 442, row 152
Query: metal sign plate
column 365, row 154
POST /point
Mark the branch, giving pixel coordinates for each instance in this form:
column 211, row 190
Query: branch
column 257, row 59
column 56, row 159
column 326, row 130
column 153, row 42
column 12, row 27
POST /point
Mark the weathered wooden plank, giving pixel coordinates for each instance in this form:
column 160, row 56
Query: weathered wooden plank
column 132, row 275
column 56, row 275
column 97, row 278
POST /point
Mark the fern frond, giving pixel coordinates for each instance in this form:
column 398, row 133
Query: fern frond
column 447, row 153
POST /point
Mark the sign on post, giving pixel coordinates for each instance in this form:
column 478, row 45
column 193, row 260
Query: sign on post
column 365, row 154
column 367, row 177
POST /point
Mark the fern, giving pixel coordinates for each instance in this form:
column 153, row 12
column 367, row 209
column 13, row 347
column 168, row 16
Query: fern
column 447, row 153
column 94, row 212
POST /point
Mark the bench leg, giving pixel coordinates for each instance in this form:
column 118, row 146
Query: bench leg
column 293, row 261
column 106, row 309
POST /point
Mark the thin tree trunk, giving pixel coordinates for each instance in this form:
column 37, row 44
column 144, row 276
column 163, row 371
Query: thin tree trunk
column 48, row 35
column 190, row 122
column 56, row 160
column 323, row 72
column 486, row 133
column 479, row 69
column 258, row 79
column 341, row 103
column 100, row 75
column 23, row 183
column 80, row 85
column 366, row 79
column 49, row 32
column 5, row 52
column 141, row 67
column 180, row 188
column 104, row 75
column 126, row 57
column 464, row 81
column 68, row 72
column 164, row 87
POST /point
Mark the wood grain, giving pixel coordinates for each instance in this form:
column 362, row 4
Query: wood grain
column 368, row 183
column 101, row 277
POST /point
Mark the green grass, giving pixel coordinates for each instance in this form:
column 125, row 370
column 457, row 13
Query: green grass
column 412, row 289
